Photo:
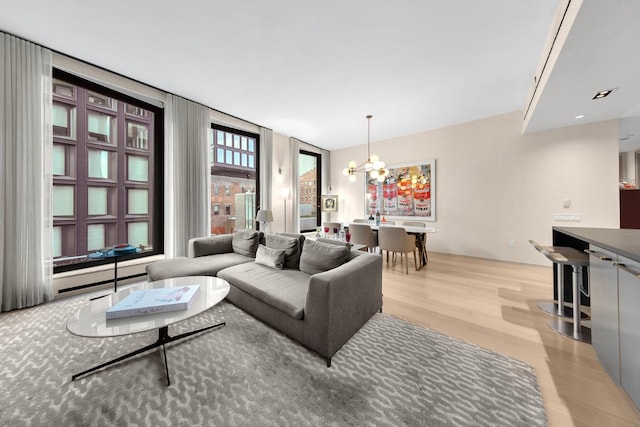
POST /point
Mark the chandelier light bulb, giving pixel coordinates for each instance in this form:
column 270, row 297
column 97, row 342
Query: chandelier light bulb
column 352, row 178
column 374, row 159
column 374, row 173
column 352, row 164
column 380, row 178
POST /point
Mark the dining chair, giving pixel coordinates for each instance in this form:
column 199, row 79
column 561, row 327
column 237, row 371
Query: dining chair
column 361, row 221
column 362, row 234
column 396, row 239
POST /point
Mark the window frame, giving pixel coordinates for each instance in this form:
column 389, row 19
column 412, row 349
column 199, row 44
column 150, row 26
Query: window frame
column 235, row 171
column 318, row 192
column 155, row 177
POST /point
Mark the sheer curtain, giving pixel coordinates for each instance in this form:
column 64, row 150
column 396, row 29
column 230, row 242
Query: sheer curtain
column 187, row 174
column 26, row 269
column 266, row 167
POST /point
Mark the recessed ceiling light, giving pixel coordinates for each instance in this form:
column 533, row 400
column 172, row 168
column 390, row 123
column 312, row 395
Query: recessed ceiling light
column 579, row 116
column 603, row 93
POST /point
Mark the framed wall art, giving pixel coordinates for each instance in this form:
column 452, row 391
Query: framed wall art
column 409, row 191
column 329, row 203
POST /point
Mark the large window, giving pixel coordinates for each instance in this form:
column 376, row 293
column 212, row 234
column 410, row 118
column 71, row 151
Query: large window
column 309, row 186
column 234, row 163
column 105, row 183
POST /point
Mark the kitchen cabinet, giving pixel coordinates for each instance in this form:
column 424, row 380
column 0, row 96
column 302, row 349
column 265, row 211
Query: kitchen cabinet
column 629, row 288
column 604, row 309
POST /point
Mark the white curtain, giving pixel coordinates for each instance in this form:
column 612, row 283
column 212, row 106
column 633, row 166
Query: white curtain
column 26, row 267
column 187, row 174
column 266, row 168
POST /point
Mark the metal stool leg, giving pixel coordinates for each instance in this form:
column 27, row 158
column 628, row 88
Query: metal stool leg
column 573, row 330
column 559, row 309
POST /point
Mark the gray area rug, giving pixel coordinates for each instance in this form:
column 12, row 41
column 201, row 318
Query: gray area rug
column 391, row 373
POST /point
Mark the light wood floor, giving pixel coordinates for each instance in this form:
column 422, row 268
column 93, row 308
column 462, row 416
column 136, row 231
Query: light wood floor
column 493, row 305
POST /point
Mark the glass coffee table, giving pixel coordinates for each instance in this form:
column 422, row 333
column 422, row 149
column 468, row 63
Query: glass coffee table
column 91, row 321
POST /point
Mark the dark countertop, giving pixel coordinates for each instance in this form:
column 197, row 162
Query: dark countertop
column 625, row 242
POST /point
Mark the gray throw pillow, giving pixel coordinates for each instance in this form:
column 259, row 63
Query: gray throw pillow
column 318, row 257
column 273, row 258
column 291, row 246
column 245, row 242
column 335, row 242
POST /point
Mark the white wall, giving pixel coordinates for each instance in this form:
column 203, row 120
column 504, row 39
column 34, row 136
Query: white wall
column 495, row 184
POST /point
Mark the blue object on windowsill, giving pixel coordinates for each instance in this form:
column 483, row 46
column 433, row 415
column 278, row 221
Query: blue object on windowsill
column 113, row 252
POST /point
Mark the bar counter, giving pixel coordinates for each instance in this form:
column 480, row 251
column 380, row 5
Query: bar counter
column 625, row 242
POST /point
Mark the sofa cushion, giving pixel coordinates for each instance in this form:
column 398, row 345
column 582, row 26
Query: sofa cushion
column 210, row 245
column 318, row 257
column 291, row 246
column 335, row 242
column 270, row 257
column 285, row 290
column 245, row 242
column 201, row 266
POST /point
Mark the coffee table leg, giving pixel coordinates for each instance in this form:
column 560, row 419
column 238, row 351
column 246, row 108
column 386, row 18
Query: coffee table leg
column 163, row 338
column 166, row 365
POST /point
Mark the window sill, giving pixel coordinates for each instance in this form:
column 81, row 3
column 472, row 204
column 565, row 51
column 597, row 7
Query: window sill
column 65, row 283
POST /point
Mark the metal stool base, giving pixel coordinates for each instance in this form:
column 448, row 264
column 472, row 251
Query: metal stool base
column 583, row 334
column 552, row 308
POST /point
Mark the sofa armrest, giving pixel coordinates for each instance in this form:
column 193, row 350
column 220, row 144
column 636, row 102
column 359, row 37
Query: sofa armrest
column 210, row 245
column 340, row 301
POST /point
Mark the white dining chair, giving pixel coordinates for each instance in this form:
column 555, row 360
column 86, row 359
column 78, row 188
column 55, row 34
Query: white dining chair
column 396, row 240
column 362, row 234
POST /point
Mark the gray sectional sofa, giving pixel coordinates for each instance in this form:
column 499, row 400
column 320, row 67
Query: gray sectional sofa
column 316, row 292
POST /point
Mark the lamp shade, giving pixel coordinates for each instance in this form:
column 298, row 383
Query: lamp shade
column 264, row 216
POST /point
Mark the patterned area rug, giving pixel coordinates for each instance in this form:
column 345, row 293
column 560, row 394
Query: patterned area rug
column 391, row 373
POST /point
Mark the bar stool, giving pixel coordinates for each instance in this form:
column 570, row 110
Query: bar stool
column 556, row 309
column 577, row 260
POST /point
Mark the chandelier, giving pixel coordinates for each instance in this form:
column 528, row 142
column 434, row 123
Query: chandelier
column 373, row 166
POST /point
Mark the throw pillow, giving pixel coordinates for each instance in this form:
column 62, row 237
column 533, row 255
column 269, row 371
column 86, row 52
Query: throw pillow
column 318, row 257
column 273, row 258
column 291, row 246
column 245, row 242
column 335, row 242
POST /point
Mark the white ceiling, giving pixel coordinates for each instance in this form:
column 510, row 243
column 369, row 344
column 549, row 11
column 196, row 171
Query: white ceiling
column 601, row 52
column 314, row 69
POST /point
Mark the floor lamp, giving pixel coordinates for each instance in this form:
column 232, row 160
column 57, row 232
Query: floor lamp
column 285, row 195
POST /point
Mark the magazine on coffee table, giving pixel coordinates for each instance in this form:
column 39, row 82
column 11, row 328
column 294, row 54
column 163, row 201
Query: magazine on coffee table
column 158, row 300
